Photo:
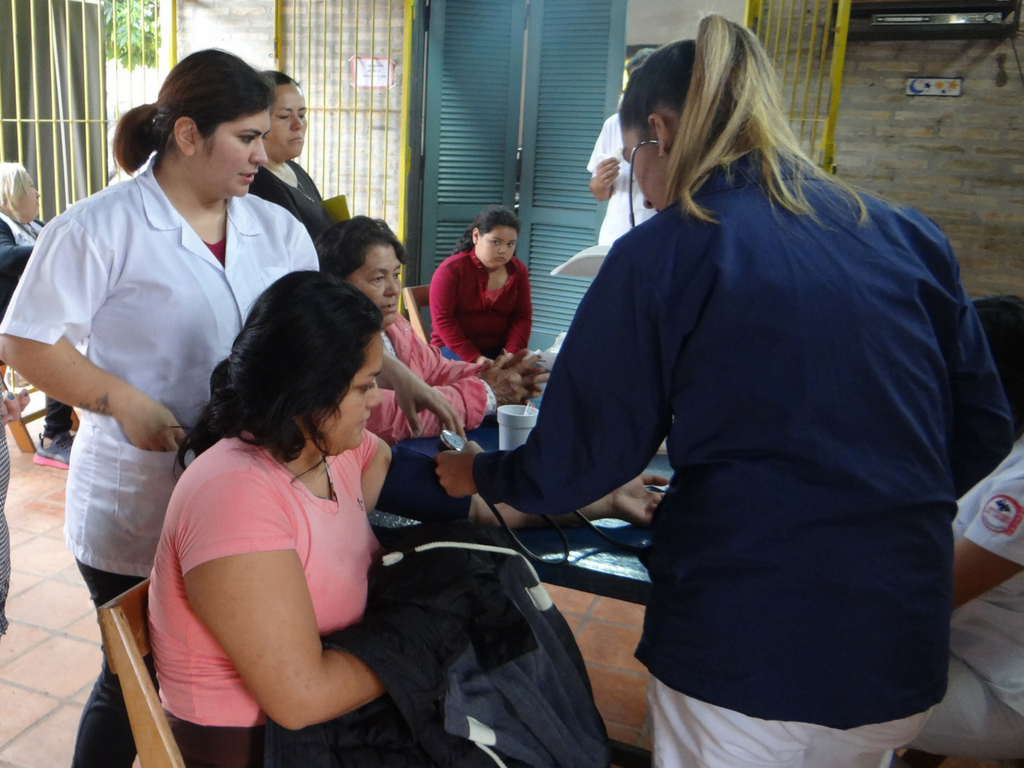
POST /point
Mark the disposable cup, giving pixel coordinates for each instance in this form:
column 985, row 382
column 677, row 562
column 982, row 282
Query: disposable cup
column 514, row 425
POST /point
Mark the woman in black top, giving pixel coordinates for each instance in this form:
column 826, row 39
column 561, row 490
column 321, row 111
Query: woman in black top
column 19, row 228
column 282, row 180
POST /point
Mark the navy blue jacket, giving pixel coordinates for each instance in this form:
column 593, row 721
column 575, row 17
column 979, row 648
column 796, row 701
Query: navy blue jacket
column 13, row 258
column 827, row 393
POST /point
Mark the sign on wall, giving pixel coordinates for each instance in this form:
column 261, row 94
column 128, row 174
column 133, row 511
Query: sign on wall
column 934, row 86
column 372, row 71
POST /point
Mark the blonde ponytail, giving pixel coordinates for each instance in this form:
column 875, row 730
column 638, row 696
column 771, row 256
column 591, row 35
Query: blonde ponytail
column 732, row 109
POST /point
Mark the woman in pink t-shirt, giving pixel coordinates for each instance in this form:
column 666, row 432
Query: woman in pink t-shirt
column 266, row 545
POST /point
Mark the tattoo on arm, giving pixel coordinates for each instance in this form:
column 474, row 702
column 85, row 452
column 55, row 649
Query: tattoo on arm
column 101, row 406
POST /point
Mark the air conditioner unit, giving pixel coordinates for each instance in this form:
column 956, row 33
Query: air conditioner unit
column 932, row 19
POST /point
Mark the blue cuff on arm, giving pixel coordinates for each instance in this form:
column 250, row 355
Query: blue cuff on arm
column 411, row 489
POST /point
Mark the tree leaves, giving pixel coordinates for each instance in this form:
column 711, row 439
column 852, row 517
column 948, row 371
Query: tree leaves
column 132, row 32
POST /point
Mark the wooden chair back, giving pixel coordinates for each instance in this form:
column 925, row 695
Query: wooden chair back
column 125, row 627
column 19, row 428
column 416, row 298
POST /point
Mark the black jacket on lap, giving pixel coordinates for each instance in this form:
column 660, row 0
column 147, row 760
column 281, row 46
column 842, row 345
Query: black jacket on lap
column 476, row 661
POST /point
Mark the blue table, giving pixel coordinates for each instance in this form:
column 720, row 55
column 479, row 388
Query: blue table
column 593, row 565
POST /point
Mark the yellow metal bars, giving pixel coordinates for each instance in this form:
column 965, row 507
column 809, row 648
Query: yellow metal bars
column 345, row 56
column 68, row 69
column 807, row 42
column 842, row 29
column 140, row 45
column 405, row 151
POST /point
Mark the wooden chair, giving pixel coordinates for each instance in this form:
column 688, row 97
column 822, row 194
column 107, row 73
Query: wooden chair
column 19, row 428
column 415, row 299
column 125, row 627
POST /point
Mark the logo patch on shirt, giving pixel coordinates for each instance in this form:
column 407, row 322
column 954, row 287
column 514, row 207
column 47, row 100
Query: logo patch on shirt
column 1002, row 514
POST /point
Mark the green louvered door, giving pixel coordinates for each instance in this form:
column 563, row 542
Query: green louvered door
column 474, row 70
column 573, row 80
column 476, row 91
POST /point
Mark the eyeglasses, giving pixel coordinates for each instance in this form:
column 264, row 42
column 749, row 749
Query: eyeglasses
column 632, row 174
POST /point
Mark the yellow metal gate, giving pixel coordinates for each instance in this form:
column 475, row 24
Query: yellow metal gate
column 806, row 39
column 68, row 69
column 348, row 58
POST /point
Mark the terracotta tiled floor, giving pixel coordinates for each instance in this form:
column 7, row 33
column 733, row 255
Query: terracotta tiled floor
column 51, row 653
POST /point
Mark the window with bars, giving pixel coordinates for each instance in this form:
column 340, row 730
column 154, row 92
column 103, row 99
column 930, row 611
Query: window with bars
column 806, row 40
column 347, row 57
column 68, row 69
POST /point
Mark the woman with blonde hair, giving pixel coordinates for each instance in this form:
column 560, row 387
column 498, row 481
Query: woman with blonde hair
column 19, row 207
column 826, row 393
column 20, row 227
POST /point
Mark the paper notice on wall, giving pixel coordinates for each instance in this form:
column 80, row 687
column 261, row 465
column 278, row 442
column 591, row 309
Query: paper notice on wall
column 372, row 71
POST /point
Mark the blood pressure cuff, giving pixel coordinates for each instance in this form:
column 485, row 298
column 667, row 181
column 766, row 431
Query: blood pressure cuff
column 411, row 489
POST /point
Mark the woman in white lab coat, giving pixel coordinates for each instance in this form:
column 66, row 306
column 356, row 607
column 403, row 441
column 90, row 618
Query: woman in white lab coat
column 127, row 303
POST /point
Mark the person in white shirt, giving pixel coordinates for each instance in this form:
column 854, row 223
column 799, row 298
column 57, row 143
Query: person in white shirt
column 610, row 174
column 127, row 303
column 982, row 714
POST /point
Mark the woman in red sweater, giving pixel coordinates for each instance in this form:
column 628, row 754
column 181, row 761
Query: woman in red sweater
column 480, row 295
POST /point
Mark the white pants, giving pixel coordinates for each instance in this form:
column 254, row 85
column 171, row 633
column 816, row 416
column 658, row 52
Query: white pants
column 692, row 734
column 971, row 722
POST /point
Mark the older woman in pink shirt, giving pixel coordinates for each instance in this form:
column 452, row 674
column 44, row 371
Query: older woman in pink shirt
column 366, row 253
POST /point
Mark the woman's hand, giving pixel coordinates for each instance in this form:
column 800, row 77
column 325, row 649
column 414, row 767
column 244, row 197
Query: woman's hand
column 455, row 470
column 533, row 375
column 12, row 408
column 507, row 386
column 414, row 395
column 631, row 502
column 65, row 374
column 514, row 379
column 149, row 425
column 420, row 396
column 605, row 174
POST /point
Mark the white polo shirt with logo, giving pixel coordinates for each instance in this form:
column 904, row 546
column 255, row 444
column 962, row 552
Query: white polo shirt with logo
column 988, row 632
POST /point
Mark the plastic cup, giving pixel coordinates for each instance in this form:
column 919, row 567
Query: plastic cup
column 514, row 425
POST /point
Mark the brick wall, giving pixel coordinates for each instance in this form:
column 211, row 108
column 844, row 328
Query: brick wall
column 243, row 27
column 959, row 160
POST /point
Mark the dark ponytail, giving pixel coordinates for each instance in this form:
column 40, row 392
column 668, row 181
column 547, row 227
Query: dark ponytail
column 135, row 140
column 210, row 87
column 490, row 217
column 1002, row 317
column 218, row 417
column 302, row 344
